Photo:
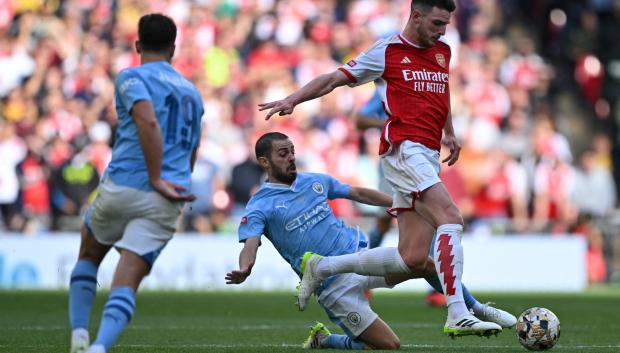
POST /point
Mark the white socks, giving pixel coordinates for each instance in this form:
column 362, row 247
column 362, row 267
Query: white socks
column 80, row 334
column 448, row 258
column 373, row 262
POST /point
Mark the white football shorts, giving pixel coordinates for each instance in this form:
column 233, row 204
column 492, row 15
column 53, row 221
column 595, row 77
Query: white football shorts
column 344, row 302
column 410, row 169
column 384, row 187
column 140, row 221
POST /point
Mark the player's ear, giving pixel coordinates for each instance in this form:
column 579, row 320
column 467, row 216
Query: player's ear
column 138, row 46
column 416, row 15
column 263, row 161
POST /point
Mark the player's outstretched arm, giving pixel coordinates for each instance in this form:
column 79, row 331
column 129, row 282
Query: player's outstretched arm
column 371, row 115
column 149, row 132
column 247, row 258
column 370, row 197
column 363, row 122
column 318, row 87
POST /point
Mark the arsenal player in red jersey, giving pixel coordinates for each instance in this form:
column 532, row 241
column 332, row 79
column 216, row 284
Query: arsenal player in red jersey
column 410, row 71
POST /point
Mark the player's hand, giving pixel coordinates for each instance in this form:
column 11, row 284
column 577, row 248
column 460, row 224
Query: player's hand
column 171, row 191
column 453, row 145
column 282, row 107
column 237, row 276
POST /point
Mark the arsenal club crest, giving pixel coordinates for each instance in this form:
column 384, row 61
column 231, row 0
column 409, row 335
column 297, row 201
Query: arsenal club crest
column 441, row 60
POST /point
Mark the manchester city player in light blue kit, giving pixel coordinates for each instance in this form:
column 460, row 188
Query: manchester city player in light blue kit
column 291, row 210
column 143, row 188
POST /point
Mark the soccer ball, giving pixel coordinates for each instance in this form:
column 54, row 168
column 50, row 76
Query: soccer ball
column 538, row 329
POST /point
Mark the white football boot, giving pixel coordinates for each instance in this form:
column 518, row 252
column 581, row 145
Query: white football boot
column 310, row 281
column 498, row 316
column 96, row 348
column 79, row 341
column 468, row 324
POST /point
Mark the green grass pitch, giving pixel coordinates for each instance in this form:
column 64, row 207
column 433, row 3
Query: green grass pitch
column 269, row 322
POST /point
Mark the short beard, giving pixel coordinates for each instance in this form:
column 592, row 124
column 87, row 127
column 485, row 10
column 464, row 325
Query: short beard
column 283, row 177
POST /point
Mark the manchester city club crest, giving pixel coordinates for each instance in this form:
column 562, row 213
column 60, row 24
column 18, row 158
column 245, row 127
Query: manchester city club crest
column 441, row 60
column 354, row 318
column 317, row 187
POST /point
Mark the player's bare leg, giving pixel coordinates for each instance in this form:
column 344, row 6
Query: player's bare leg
column 90, row 248
column 414, row 239
column 83, row 288
column 437, row 206
column 380, row 336
column 131, row 270
column 119, row 308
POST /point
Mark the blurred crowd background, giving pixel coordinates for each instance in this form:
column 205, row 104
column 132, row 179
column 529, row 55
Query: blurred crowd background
column 535, row 89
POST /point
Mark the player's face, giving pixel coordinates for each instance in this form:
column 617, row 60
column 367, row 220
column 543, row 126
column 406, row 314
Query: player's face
column 282, row 166
column 432, row 25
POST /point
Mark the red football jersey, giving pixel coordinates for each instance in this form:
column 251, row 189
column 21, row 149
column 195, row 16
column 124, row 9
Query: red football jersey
column 413, row 85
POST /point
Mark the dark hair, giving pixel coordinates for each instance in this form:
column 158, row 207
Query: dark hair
column 427, row 5
column 263, row 145
column 156, row 32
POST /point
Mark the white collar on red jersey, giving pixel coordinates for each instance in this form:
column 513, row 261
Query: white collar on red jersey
column 406, row 41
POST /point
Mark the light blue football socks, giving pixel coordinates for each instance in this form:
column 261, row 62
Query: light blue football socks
column 117, row 313
column 343, row 342
column 82, row 290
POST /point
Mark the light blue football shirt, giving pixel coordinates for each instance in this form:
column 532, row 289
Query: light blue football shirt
column 178, row 108
column 374, row 108
column 297, row 218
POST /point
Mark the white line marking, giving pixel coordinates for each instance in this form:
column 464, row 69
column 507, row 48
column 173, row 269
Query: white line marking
column 36, row 328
